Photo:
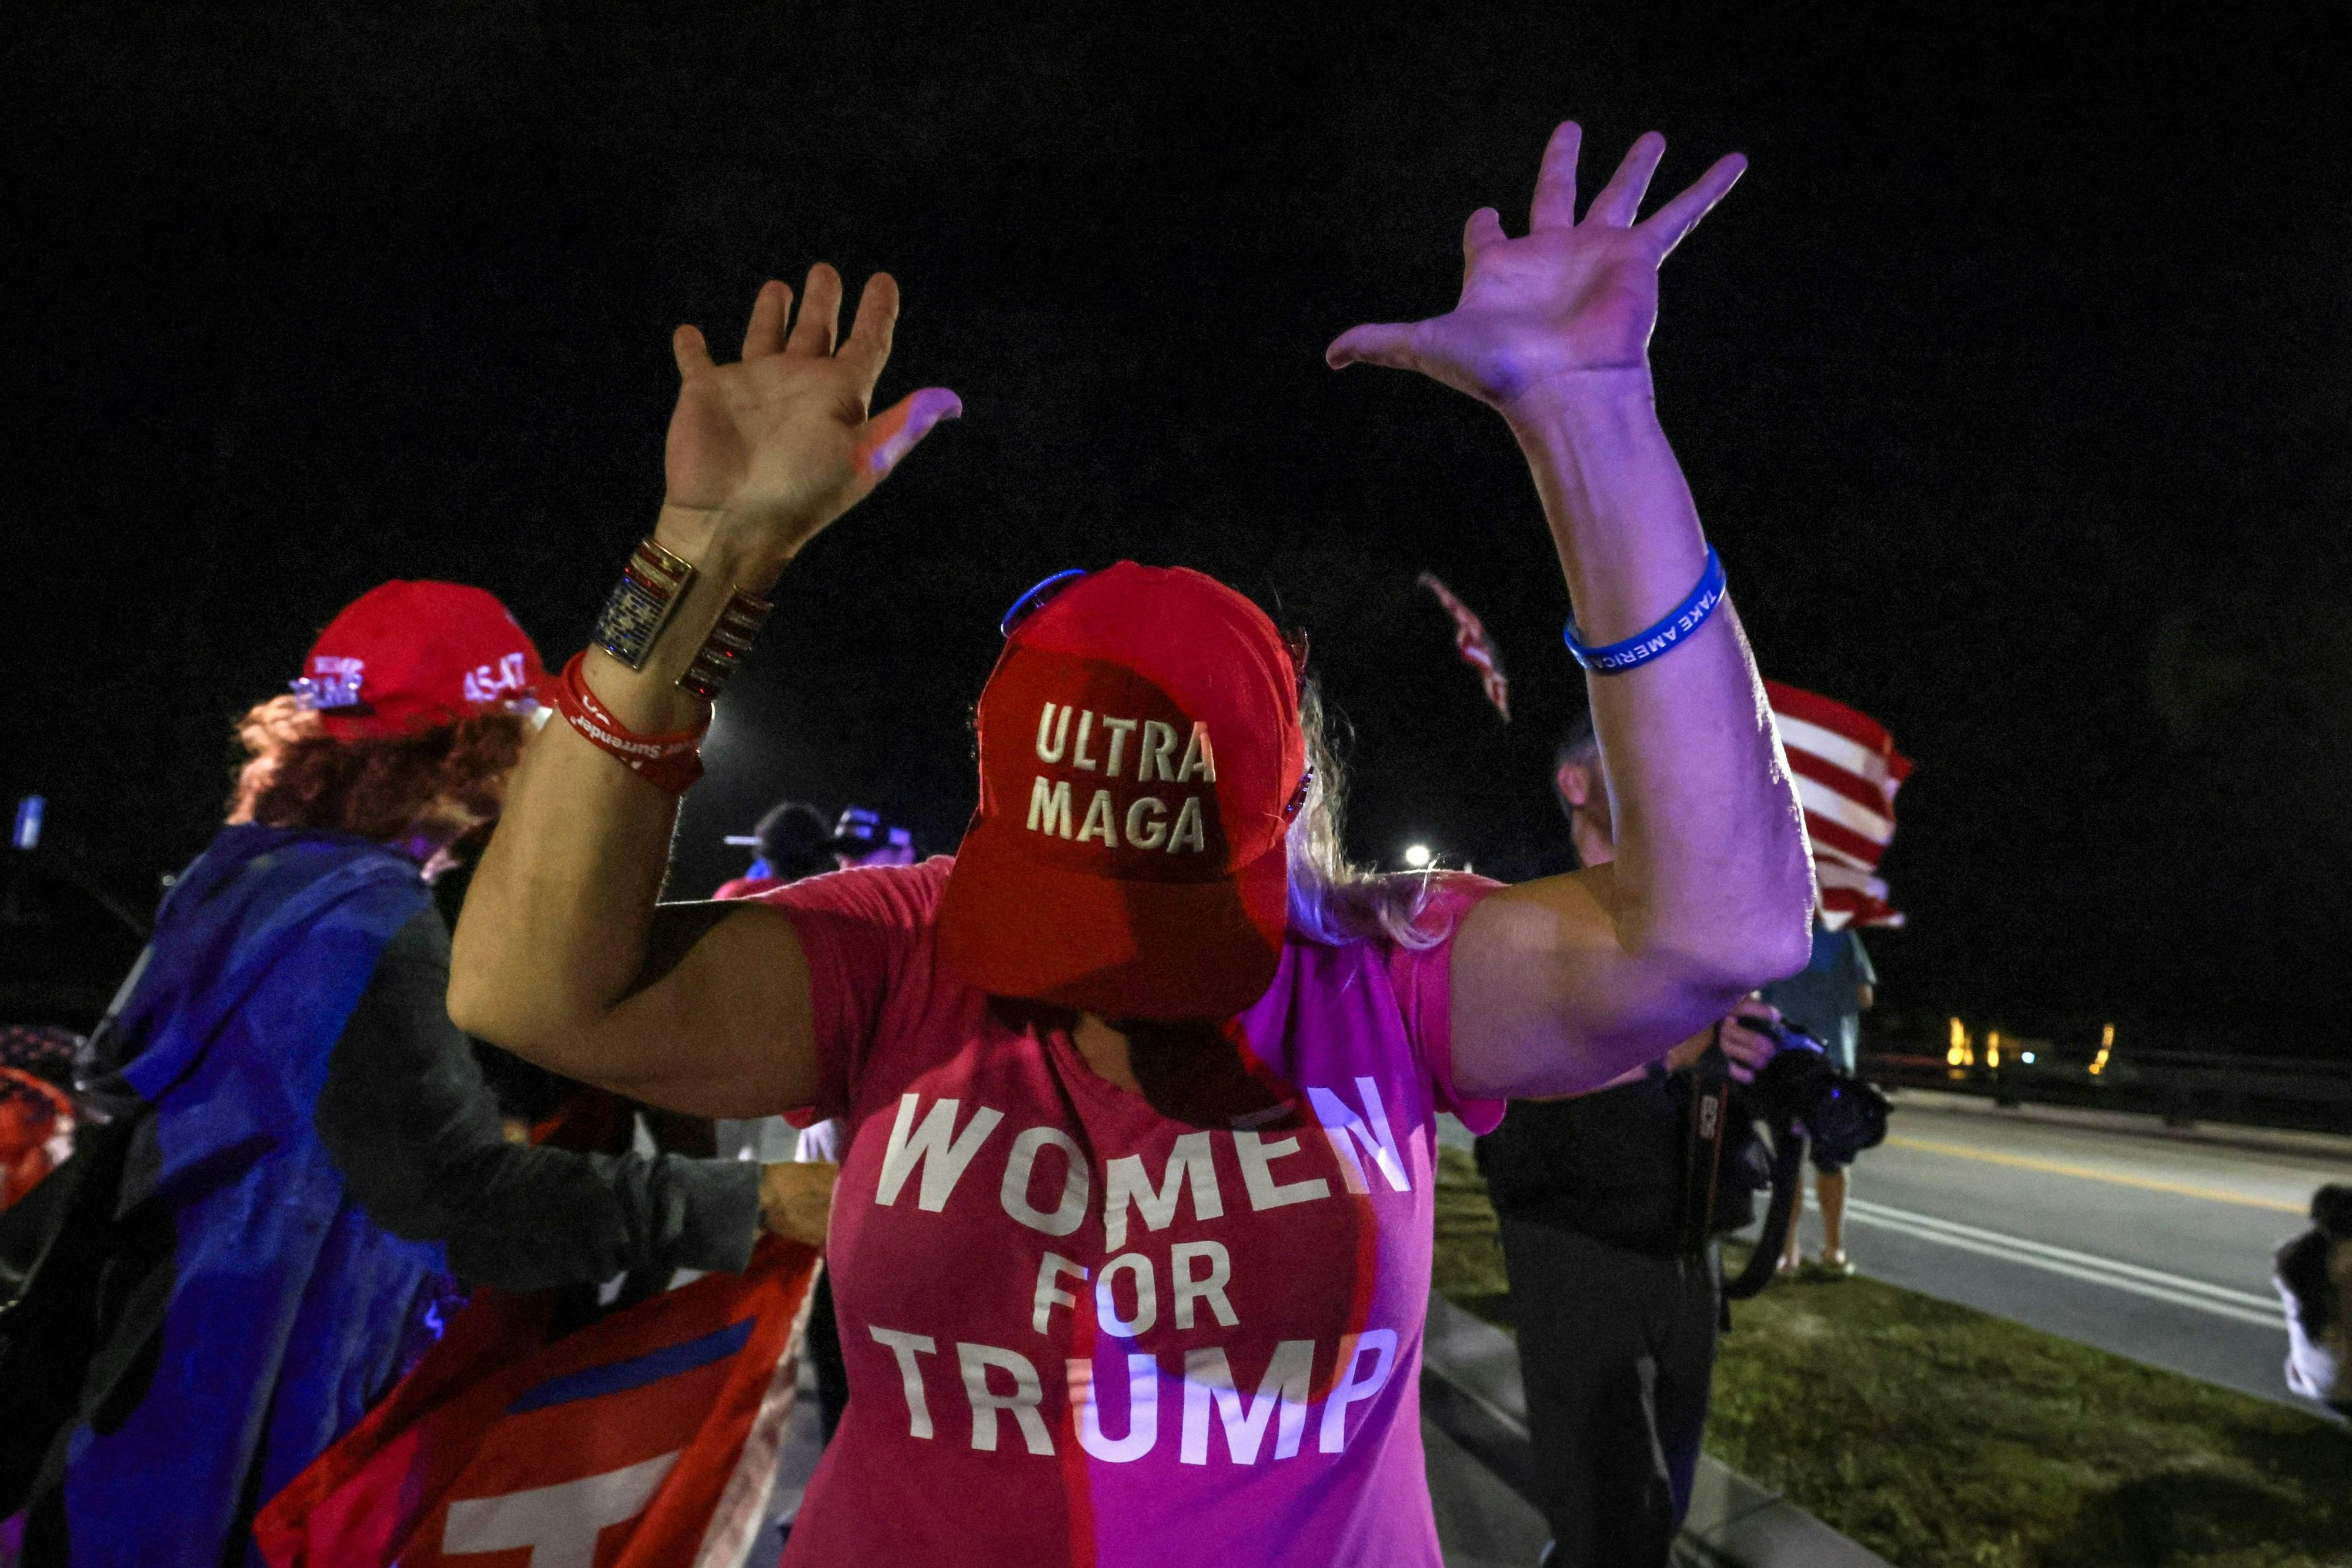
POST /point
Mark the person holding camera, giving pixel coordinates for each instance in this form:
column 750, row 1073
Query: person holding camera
column 1614, row 1284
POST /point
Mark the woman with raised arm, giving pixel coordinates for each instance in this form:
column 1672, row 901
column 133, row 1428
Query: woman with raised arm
column 1133, row 1236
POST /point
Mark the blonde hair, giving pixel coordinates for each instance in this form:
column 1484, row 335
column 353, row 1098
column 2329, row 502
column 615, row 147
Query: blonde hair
column 1332, row 899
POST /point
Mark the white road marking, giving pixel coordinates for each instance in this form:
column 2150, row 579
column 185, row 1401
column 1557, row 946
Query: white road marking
column 2222, row 1301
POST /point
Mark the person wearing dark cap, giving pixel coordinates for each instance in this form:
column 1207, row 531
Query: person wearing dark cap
column 863, row 838
column 1132, row 1240
column 790, row 842
column 314, row 1138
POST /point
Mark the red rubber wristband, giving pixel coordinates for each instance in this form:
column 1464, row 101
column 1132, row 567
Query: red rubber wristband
column 672, row 762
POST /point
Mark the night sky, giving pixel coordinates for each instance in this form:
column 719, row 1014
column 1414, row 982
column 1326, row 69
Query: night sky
column 2011, row 383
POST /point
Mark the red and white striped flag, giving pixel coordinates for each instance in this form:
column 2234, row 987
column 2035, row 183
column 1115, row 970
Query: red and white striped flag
column 1847, row 772
column 1477, row 649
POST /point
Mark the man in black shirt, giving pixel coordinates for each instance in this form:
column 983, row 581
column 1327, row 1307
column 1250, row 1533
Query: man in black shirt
column 1616, row 1307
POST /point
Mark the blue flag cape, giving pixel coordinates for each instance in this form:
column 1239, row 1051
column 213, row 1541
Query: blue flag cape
column 289, row 1309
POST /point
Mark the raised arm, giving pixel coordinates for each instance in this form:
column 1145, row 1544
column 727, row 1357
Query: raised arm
column 560, row 955
column 1561, row 983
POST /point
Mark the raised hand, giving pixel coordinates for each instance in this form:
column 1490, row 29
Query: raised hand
column 781, row 442
column 1567, row 299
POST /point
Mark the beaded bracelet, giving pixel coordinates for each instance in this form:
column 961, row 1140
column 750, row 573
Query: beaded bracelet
column 1680, row 622
column 672, row 762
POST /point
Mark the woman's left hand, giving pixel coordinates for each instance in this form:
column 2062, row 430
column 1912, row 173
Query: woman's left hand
column 1567, row 299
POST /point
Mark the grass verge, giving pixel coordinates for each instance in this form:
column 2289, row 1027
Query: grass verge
column 1943, row 1438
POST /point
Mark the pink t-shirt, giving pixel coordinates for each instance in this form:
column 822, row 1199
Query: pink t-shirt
column 1081, row 1331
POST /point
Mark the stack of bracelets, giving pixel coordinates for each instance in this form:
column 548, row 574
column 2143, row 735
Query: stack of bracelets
column 653, row 584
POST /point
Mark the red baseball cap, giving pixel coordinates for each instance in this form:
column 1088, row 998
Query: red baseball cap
column 1139, row 762
column 408, row 655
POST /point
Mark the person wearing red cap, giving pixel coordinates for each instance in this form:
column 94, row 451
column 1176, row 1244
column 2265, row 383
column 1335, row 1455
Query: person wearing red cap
column 1132, row 1236
column 317, row 1167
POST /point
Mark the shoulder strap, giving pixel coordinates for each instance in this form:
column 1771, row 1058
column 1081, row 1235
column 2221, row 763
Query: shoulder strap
column 1710, row 1113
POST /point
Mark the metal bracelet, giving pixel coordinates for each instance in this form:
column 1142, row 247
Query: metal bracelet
column 730, row 638
column 653, row 584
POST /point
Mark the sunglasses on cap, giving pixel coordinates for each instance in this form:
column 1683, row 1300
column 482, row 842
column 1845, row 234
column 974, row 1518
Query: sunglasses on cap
column 1046, row 592
column 1037, row 598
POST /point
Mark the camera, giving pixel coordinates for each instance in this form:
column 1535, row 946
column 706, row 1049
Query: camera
column 1798, row 1088
column 1800, row 1097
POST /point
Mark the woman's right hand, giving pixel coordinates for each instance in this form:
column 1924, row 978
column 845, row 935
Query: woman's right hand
column 772, row 448
column 796, row 1199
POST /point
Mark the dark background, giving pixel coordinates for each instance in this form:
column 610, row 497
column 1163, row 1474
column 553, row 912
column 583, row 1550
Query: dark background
column 2010, row 380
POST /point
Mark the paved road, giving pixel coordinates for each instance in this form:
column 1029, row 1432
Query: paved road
column 2107, row 1230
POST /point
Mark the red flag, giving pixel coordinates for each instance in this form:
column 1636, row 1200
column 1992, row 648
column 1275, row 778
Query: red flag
column 1847, row 772
column 647, row 1438
column 1477, row 649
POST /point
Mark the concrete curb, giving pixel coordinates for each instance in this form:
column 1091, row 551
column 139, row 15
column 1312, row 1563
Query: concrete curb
column 1471, row 1390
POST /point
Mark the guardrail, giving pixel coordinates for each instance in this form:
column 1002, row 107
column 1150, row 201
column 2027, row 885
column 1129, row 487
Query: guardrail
column 2183, row 1087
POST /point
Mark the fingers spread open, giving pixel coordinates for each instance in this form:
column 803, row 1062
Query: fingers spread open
column 1386, row 343
column 1670, row 222
column 1621, row 199
column 1555, row 204
column 892, row 433
column 868, row 348
column 770, row 311
column 692, row 354
column 819, row 320
column 1485, row 229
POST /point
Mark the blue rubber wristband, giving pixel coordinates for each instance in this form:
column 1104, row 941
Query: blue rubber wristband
column 1668, row 634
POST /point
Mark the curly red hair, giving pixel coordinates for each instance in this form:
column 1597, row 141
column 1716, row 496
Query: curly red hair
column 424, row 790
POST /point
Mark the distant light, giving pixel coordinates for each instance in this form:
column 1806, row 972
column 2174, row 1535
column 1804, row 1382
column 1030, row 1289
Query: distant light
column 1962, row 1053
column 1417, row 855
column 29, row 811
column 2106, row 1049
column 2027, row 1057
column 1992, row 1048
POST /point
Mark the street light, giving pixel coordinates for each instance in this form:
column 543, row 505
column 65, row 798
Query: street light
column 1417, row 856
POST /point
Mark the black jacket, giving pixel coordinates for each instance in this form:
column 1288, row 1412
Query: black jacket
column 1607, row 1165
column 415, row 1129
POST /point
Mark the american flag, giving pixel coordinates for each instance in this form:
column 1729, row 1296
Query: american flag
column 1476, row 648
column 1847, row 772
